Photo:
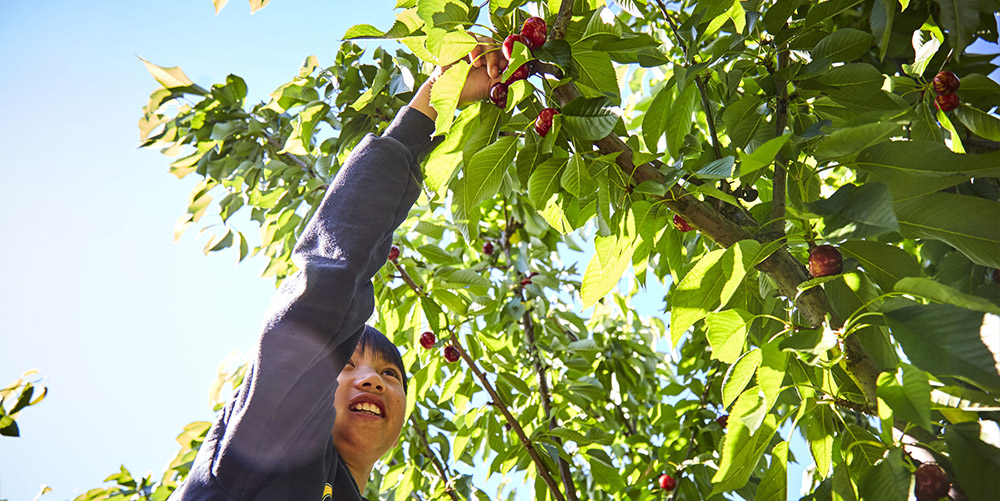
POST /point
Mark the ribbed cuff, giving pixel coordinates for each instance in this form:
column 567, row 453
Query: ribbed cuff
column 411, row 128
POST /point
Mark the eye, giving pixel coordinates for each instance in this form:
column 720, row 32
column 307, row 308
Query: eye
column 392, row 372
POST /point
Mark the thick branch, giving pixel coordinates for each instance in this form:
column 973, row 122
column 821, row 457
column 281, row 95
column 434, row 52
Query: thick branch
column 543, row 389
column 434, row 459
column 543, row 471
column 780, row 174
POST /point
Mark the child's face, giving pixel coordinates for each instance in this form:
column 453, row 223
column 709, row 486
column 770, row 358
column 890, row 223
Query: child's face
column 368, row 383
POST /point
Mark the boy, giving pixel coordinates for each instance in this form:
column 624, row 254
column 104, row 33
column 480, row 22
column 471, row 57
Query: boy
column 325, row 395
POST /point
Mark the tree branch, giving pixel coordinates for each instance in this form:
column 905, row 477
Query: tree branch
column 543, row 389
column 434, row 459
column 409, row 281
column 543, row 471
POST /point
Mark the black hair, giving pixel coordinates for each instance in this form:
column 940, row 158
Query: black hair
column 373, row 339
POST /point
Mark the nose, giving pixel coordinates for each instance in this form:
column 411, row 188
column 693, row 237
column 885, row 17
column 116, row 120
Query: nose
column 370, row 380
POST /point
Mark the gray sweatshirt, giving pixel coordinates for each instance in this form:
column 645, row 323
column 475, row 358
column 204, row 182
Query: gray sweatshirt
column 273, row 439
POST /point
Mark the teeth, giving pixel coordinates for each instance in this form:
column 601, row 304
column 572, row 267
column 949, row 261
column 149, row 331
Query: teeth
column 367, row 407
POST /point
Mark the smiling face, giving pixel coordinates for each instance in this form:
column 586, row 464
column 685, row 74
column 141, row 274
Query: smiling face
column 370, row 403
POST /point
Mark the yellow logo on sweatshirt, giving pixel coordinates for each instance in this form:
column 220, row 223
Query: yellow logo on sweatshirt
column 328, row 493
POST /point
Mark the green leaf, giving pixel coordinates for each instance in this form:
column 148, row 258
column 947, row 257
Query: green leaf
column 980, row 89
column 825, row 10
column 449, row 46
column 596, row 72
column 851, row 140
column 857, row 212
column 762, row 156
column 727, row 333
column 739, row 375
column 544, row 181
column 961, row 20
column 589, row 119
column 602, row 276
column 946, row 340
column 718, row 169
column 256, row 5
column 444, row 14
column 443, row 160
column 362, row 31
column 945, row 217
column 576, row 178
column 486, row 169
column 979, row 122
column 955, row 141
column 909, row 401
column 655, row 119
column 853, row 82
column 445, row 93
column 975, row 454
column 709, row 284
column 741, row 451
column 883, row 14
column 820, row 428
column 887, row 481
column 940, row 293
column 886, row 264
column 924, row 50
column 845, row 44
column 772, row 370
column 914, row 168
column 172, row 78
column 679, row 120
column 774, row 485
column 743, row 118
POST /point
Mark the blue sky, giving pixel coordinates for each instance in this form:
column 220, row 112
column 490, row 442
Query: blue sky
column 126, row 326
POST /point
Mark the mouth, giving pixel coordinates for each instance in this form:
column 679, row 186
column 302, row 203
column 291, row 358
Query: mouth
column 368, row 405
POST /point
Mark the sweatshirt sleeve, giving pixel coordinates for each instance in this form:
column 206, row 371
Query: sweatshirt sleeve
column 280, row 421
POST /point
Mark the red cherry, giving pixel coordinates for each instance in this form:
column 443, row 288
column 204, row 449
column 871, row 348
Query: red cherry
column 488, row 248
column 498, row 94
column 525, row 281
column 534, row 31
column 723, row 420
column 824, row 261
column 544, row 121
column 681, row 224
column 667, row 482
column 451, row 353
column 427, row 340
column 393, row 253
column 519, row 74
column 996, row 276
column 930, row 482
column 945, row 83
column 508, row 44
column 946, row 102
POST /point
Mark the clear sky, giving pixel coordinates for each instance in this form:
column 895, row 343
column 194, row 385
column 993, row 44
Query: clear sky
column 126, row 326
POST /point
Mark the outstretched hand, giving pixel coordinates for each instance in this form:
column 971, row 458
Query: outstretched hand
column 487, row 62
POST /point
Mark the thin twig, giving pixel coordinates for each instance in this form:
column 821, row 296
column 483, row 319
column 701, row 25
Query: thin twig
column 446, row 478
column 543, row 471
column 543, row 389
column 409, row 281
column 694, row 429
column 778, row 182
